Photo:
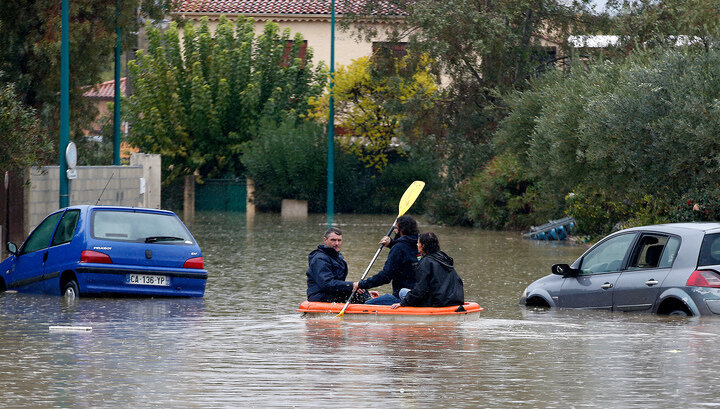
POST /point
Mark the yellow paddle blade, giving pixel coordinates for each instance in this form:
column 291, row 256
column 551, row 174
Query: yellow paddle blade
column 412, row 192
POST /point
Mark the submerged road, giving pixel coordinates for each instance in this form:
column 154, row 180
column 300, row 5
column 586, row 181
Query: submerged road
column 244, row 345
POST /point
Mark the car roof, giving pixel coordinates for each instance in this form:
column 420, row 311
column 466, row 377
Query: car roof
column 124, row 208
column 680, row 228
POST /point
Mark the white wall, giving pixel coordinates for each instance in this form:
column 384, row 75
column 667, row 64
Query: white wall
column 315, row 29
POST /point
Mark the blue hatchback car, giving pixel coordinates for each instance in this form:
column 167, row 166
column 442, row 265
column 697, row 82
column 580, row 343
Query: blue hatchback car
column 107, row 250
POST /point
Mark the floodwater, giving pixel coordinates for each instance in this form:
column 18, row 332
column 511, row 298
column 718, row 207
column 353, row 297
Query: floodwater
column 244, row 345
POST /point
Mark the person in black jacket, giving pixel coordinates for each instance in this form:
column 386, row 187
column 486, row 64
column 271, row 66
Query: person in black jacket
column 400, row 264
column 327, row 270
column 438, row 284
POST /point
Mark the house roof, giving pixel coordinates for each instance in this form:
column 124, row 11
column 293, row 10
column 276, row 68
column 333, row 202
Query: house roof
column 105, row 90
column 285, row 7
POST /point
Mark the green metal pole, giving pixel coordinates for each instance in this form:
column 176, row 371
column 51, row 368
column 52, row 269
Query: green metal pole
column 64, row 100
column 116, row 108
column 331, row 125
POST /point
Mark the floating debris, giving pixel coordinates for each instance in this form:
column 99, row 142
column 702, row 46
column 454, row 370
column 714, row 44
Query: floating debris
column 67, row 328
column 552, row 230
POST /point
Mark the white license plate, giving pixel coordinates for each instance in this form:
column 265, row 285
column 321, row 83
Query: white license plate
column 146, row 279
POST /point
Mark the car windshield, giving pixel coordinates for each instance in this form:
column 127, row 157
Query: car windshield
column 710, row 250
column 140, row 227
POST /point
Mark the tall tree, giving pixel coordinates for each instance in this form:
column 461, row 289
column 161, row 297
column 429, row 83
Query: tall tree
column 30, row 51
column 482, row 49
column 643, row 23
column 369, row 96
column 23, row 142
column 197, row 104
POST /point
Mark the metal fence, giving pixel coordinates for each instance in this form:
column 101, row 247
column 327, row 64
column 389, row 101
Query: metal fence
column 228, row 195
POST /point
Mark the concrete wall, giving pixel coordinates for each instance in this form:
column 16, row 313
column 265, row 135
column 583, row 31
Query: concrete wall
column 151, row 176
column 294, row 209
column 137, row 185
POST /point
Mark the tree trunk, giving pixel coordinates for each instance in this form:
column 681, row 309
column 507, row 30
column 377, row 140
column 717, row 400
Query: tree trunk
column 189, row 199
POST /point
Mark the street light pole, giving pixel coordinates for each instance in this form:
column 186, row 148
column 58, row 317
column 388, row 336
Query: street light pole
column 64, row 101
column 116, row 108
column 331, row 125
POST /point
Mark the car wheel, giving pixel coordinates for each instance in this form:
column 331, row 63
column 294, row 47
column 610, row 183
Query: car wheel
column 71, row 290
column 678, row 313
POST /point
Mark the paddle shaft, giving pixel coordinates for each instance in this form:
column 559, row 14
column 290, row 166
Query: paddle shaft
column 407, row 200
column 377, row 253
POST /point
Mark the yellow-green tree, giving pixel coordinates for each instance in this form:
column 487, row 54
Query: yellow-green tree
column 369, row 97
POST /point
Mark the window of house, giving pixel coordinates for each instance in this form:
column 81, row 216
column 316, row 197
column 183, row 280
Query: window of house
column 287, row 53
column 389, row 49
column 544, row 58
column 386, row 55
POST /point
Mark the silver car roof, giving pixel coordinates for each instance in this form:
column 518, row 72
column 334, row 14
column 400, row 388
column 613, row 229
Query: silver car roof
column 681, row 228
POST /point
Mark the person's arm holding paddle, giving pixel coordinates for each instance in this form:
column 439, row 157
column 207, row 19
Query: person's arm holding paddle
column 386, row 241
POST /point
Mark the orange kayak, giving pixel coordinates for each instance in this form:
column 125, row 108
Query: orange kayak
column 469, row 310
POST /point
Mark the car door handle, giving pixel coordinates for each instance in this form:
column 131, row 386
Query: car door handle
column 651, row 282
column 606, row 286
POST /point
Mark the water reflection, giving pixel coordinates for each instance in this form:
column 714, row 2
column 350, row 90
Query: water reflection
column 132, row 341
column 244, row 345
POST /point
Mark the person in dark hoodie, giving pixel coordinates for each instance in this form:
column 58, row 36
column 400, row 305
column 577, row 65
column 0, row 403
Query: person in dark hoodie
column 327, row 270
column 438, row 284
column 400, row 264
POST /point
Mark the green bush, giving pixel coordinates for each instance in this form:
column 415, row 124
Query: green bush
column 287, row 161
column 498, row 197
column 444, row 206
column 697, row 206
column 172, row 194
column 597, row 214
column 360, row 189
column 628, row 137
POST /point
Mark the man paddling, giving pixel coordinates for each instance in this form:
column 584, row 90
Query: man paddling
column 327, row 270
column 400, row 264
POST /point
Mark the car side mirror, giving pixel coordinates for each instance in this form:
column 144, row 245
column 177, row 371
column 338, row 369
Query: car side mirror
column 564, row 270
column 12, row 248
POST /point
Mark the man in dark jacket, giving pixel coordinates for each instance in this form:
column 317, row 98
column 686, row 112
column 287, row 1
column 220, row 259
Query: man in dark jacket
column 400, row 264
column 438, row 284
column 327, row 270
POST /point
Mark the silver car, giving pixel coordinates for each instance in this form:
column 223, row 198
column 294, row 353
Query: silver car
column 671, row 269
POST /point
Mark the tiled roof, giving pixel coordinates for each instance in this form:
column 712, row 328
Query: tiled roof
column 105, row 90
column 280, row 7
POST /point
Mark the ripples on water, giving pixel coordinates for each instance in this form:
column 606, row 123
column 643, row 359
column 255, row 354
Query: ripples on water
column 244, row 345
